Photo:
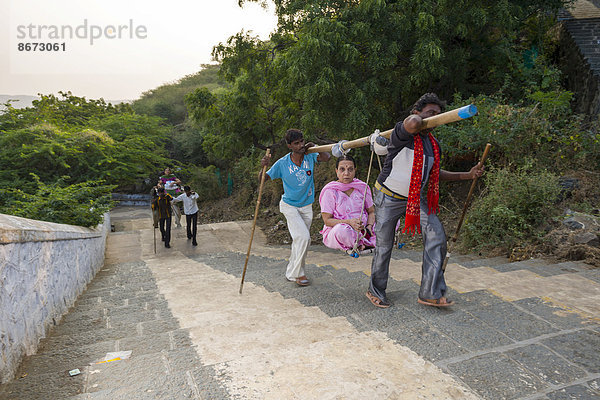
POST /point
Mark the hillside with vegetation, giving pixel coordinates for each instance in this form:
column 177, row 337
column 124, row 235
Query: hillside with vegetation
column 339, row 70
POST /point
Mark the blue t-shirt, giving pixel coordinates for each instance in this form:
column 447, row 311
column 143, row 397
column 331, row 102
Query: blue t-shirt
column 298, row 182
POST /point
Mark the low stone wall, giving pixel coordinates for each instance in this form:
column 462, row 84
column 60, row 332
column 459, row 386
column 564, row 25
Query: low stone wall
column 43, row 268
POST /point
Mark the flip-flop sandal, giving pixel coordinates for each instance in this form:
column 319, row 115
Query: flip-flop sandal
column 302, row 281
column 441, row 302
column 377, row 302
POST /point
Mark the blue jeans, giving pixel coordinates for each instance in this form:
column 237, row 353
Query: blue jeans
column 387, row 212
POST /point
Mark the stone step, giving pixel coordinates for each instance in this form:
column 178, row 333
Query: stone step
column 116, row 313
column 108, row 303
column 482, row 262
column 541, row 267
column 53, row 385
column 168, row 355
column 114, row 320
column 519, row 265
column 402, row 254
column 133, row 280
column 118, row 294
column 500, row 325
column 91, row 311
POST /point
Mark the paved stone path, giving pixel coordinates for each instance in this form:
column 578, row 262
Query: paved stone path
column 526, row 330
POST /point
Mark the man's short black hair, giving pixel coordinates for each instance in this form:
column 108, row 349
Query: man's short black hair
column 292, row 135
column 428, row 98
column 187, row 188
column 161, row 190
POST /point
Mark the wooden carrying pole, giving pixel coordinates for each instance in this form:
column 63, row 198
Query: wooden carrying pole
column 428, row 123
column 260, row 189
column 464, row 211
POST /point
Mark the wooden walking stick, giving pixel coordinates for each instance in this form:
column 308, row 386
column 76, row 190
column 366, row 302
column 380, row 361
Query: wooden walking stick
column 153, row 225
column 260, row 189
column 455, row 238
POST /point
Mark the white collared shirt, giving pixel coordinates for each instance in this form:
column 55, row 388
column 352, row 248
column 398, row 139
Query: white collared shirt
column 189, row 203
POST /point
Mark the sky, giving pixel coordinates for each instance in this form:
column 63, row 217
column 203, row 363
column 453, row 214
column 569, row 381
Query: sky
column 115, row 49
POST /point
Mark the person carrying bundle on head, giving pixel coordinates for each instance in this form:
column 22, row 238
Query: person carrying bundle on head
column 163, row 204
column 172, row 186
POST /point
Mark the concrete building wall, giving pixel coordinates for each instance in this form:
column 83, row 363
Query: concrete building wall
column 43, row 268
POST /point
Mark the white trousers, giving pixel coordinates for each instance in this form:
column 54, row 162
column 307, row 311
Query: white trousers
column 299, row 220
column 176, row 213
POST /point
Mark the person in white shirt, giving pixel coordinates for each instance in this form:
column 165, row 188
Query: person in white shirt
column 190, row 209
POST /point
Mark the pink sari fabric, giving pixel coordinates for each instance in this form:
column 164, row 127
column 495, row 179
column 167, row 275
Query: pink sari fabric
column 334, row 201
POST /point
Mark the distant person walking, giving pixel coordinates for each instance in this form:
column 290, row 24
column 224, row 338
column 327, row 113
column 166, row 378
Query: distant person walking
column 172, row 186
column 190, row 209
column 163, row 204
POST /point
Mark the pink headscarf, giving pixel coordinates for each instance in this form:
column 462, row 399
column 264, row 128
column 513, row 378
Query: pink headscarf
column 356, row 184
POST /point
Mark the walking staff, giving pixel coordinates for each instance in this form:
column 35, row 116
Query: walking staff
column 260, row 189
column 464, row 211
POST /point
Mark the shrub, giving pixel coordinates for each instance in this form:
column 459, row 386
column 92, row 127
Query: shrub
column 82, row 204
column 86, row 140
column 544, row 133
column 514, row 205
column 205, row 182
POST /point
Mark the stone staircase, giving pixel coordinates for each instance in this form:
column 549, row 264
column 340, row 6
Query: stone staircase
column 501, row 349
column 524, row 330
column 121, row 309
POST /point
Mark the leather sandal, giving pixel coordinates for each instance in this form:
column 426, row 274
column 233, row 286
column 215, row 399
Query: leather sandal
column 376, row 301
column 441, row 302
column 302, row 281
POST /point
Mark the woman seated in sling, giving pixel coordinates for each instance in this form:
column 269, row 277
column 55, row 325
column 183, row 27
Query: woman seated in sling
column 347, row 210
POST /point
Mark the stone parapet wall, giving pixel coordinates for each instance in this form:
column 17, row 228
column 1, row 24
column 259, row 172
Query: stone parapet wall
column 43, row 268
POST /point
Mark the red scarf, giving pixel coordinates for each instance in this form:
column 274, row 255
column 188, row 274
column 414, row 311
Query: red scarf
column 413, row 207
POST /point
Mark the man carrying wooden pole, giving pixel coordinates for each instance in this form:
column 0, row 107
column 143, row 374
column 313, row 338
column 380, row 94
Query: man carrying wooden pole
column 409, row 184
column 296, row 170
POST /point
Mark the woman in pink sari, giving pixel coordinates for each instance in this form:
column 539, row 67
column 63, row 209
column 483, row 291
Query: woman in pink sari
column 346, row 211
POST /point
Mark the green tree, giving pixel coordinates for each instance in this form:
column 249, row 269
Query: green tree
column 253, row 111
column 338, row 69
column 81, row 204
column 79, row 138
column 168, row 102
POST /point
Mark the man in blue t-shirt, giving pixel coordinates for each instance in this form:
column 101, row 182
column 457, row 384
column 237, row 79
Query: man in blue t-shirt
column 296, row 170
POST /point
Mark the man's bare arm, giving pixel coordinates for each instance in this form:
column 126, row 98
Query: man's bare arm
column 474, row 172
